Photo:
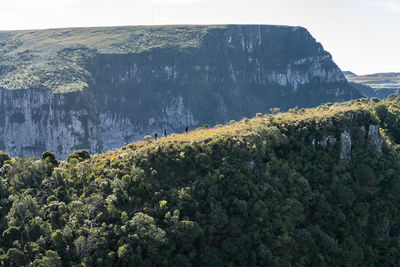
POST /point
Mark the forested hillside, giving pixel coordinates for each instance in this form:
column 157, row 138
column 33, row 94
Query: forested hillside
column 311, row 187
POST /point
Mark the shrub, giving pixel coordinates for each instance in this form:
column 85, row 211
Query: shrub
column 275, row 110
column 294, row 110
column 80, row 155
column 48, row 155
column 3, row 157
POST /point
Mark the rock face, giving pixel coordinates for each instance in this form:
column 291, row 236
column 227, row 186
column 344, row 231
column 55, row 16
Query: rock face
column 99, row 88
column 345, row 149
column 375, row 136
column 37, row 120
column 355, row 129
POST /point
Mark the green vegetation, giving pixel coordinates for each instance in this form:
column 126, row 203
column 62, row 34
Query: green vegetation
column 79, row 155
column 258, row 192
column 48, row 155
column 57, row 59
column 3, row 158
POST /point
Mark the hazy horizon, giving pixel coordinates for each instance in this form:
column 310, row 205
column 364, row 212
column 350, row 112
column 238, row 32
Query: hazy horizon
column 361, row 35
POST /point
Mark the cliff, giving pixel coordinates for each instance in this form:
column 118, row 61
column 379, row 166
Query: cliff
column 98, row 88
column 311, row 187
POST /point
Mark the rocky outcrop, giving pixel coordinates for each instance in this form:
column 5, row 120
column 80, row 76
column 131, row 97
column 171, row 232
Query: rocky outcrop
column 99, row 97
column 334, row 131
column 375, row 136
column 345, row 146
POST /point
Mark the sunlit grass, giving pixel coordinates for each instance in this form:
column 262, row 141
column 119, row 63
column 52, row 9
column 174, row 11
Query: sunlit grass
column 33, row 58
column 235, row 129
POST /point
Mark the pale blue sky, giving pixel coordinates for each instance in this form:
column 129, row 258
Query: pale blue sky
column 362, row 35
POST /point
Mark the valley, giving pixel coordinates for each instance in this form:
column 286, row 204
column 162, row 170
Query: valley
column 379, row 85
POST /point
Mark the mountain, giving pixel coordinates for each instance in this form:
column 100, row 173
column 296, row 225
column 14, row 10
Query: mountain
column 98, row 88
column 312, row 187
column 379, row 85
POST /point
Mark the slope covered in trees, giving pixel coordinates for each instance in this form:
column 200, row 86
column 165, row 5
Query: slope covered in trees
column 312, row 187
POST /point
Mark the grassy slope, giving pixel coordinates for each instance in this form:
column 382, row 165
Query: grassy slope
column 37, row 58
column 108, row 40
column 234, row 130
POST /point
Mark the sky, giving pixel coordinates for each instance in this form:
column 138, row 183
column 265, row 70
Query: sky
column 363, row 36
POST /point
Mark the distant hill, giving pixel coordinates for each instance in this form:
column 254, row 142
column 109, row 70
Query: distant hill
column 312, row 187
column 98, row 88
column 349, row 73
column 379, row 85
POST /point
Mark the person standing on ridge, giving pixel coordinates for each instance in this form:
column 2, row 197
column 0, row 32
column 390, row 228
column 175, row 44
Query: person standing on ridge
column 186, row 129
column 165, row 133
column 155, row 135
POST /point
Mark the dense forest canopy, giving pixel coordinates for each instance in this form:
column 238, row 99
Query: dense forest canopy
column 311, row 187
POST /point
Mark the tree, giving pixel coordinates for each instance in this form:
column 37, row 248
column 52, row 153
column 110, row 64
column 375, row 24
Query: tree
column 9, row 236
column 23, row 209
column 58, row 239
column 50, row 259
column 274, row 110
column 80, row 155
column 149, row 238
column 84, row 246
column 31, row 249
column 47, row 155
column 14, row 257
column 125, row 254
column 3, row 157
